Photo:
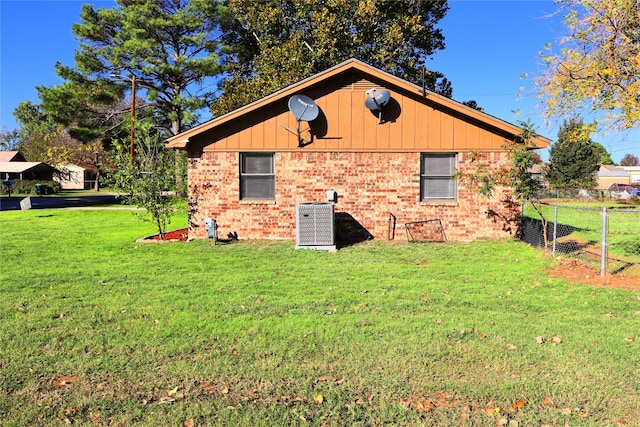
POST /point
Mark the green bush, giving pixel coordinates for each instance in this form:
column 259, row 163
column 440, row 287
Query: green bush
column 28, row 187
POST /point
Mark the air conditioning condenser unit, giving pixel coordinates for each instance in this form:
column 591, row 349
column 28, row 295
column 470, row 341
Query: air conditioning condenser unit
column 315, row 226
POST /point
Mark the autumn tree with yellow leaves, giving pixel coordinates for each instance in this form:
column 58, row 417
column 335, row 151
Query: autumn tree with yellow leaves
column 598, row 66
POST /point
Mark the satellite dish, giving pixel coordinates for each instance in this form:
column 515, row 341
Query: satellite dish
column 377, row 99
column 303, row 108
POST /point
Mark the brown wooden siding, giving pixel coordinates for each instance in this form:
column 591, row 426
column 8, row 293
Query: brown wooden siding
column 345, row 124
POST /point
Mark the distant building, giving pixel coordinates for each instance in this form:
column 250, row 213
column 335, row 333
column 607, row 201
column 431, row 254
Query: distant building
column 11, row 156
column 79, row 176
column 13, row 165
column 634, row 173
column 611, row 174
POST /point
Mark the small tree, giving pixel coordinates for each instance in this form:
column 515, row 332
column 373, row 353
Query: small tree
column 149, row 177
column 574, row 159
column 516, row 174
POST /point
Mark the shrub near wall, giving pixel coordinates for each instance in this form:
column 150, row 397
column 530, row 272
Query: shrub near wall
column 370, row 187
column 28, row 187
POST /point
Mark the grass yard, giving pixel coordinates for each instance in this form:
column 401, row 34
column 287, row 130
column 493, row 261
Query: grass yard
column 96, row 329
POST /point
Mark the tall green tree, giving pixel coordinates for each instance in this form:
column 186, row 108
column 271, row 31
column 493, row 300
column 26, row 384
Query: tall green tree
column 90, row 109
column 574, row 158
column 9, row 139
column 38, row 130
column 605, row 156
column 278, row 42
column 170, row 48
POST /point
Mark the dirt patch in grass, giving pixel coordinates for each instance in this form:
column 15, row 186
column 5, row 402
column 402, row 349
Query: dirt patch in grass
column 575, row 271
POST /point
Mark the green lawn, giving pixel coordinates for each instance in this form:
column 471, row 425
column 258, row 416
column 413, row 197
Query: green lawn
column 96, row 329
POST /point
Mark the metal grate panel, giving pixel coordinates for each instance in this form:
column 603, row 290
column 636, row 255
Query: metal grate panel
column 315, row 225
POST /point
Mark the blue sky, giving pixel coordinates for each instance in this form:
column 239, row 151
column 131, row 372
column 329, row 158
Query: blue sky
column 490, row 45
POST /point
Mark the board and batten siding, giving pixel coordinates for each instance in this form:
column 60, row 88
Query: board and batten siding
column 345, row 124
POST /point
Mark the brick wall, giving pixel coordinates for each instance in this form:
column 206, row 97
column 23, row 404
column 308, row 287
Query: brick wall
column 370, row 187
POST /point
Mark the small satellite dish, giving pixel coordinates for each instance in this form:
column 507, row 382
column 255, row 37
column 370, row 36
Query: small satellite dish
column 377, row 99
column 303, row 108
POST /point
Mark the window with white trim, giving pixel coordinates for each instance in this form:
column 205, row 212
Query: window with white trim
column 257, row 176
column 437, row 176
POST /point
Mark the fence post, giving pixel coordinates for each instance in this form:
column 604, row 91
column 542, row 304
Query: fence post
column 555, row 229
column 603, row 256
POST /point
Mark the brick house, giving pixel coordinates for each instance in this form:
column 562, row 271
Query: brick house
column 389, row 165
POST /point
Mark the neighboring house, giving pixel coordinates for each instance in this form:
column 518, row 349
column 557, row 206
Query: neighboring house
column 249, row 169
column 77, row 176
column 12, row 156
column 611, row 174
column 13, row 165
column 537, row 172
column 34, row 171
column 634, row 173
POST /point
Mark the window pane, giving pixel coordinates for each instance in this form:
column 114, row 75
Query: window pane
column 257, row 163
column 438, row 188
column 257, row 187
column 438, row 164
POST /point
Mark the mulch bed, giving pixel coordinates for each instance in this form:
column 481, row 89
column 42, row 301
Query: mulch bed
column 179, row 235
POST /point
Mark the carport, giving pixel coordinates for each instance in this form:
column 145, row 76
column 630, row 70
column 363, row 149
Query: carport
column 27, row 171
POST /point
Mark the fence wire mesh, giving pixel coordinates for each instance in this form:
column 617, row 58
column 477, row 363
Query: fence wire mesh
column 605, row 238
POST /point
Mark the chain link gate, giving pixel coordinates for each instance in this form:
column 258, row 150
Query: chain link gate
column 605, row 238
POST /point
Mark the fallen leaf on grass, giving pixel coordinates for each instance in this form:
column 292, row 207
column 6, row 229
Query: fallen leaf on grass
column 319, row 398
column 418, row 403
column 547, row 401
column 165, row 400
column 518, row 404
column 622, row 422
column 540, row 339
column 225, row 390
column 511, row 347
column 491, row 411
column 207, row 388
column 189, row 422
column 629, row 339
column 64, row 380
column 421, row 403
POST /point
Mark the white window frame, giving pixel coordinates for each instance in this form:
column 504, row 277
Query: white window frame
column 259, row 177
column 438, row 176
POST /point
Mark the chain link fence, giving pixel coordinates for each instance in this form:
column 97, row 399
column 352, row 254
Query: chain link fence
column 606, row 238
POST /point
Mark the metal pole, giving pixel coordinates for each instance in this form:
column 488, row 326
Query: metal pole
column 555, row 229
column 603, row 256
column 133, row 116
